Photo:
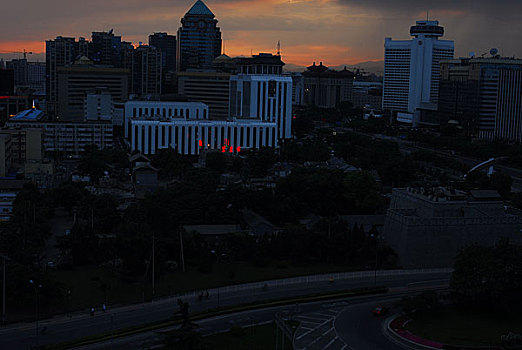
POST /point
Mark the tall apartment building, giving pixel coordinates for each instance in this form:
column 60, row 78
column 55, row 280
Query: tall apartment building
column 127, row 51
column 59, row 52
column 412, row 69
column 77, row 80
column 105, row 49
column 167, row 45
column 28, row 74
column 326, row 88
column 146, row 71
column 483, row 95
column 199, row 39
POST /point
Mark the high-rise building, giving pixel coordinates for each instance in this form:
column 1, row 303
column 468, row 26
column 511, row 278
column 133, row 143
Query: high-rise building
column 146, row 71
column 412, row 69
column 28, row 74
column 105, row 49
column 483, row 95
column 167, row 45
column 127, row 50
column 327, row 88
column 77, row 80
column 199, row 39
column 59, row 52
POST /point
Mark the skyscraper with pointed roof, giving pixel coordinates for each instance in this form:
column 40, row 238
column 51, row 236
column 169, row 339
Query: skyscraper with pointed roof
column 199, row 39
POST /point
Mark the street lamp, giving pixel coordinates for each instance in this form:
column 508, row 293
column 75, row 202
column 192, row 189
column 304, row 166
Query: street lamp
column 36, row 287
column 3, row 290
column 376, row 237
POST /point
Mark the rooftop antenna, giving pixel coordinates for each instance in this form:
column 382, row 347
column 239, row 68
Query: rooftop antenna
column 224, row 47
column 279, row 48
column 427, row 14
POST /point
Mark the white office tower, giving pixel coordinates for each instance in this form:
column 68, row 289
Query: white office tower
column 263, row 98
column 412, row 70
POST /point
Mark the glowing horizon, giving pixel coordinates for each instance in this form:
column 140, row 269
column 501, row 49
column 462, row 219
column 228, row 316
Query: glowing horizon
column 335, row 32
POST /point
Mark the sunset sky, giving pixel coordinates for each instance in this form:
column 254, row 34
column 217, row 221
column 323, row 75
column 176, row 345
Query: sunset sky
column 333, row 31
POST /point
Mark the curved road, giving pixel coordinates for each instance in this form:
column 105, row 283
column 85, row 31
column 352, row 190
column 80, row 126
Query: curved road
column 61, row 329
column 360, row 330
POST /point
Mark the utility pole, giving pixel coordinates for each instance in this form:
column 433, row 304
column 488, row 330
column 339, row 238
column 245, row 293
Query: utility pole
column 376, row 260
column 3, row 292
column 36, row 287
column 153, row 266
column 181, row 253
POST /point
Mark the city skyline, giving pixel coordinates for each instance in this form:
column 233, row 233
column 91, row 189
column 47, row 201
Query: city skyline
column 333, row 31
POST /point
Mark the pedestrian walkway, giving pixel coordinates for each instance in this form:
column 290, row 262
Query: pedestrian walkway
column 316, row 329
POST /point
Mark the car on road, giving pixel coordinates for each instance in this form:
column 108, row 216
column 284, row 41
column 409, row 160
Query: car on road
column 380, row 310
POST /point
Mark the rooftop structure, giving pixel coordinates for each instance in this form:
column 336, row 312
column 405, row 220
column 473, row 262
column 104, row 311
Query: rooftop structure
column 324, row 87
column 427, row 226
column 30, row 115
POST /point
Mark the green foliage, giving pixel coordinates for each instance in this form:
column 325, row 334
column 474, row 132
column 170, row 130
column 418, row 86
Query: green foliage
column 302, row 124
column 216, row 161
column 170, row 163
column 384, row 156
column 300, row 152
column 93, row 163
column 330, row 192
column 488, row 276
column 427, row 302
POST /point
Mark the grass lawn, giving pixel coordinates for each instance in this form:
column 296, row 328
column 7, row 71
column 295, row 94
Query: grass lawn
column 96, row 285
column 252, row 338
column 454, row 326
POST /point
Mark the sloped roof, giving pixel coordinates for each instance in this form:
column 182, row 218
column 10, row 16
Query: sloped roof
column 199, row 9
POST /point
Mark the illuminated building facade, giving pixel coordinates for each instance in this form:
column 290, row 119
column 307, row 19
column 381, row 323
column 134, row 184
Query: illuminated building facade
column 184, row 126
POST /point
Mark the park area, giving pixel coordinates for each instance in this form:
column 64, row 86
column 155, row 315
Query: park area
column 456, row 326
